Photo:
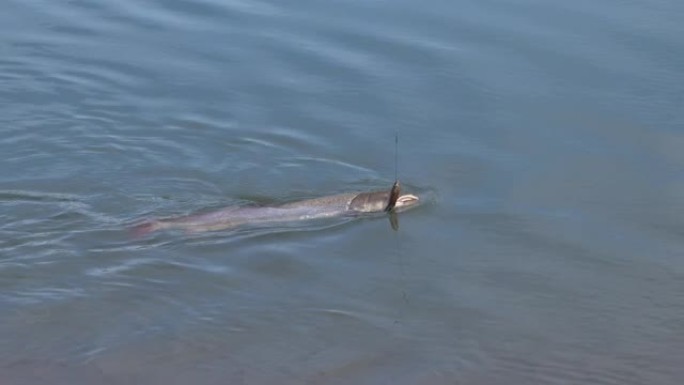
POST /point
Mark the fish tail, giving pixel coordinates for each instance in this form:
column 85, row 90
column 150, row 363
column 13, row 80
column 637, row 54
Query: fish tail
column 145, row 228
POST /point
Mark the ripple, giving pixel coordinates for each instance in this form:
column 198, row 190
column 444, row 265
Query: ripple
column 123, row 266
column 36, row 196
column 49, row 294
column 561, row 367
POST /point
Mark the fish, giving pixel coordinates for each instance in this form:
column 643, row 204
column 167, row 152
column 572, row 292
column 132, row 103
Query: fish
column 233, row 217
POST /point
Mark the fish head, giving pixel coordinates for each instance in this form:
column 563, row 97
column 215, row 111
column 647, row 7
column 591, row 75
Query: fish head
column 406, row 201
column 376, row 202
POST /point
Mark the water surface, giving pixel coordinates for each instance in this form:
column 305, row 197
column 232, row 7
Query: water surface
column 547, row 134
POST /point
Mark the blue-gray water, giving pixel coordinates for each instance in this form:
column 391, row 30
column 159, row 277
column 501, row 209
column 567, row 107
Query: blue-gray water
column 549, row 136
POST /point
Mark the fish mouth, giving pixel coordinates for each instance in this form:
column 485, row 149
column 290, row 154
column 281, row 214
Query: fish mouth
column 406, row 200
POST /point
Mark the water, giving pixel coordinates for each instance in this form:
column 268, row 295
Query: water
column 548, row 136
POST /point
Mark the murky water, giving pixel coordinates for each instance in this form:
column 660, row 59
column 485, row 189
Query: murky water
column 547, row 137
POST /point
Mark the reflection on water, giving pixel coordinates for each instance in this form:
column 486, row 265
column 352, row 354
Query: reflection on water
column 547, row 137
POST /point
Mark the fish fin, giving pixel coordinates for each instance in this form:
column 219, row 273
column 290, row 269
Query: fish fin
column 394, row 195
column 145, row 228
column 394, row 220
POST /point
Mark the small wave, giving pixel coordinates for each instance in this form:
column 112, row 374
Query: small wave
column 36, row 196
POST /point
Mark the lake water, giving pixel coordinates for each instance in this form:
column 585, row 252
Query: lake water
column 547, row 138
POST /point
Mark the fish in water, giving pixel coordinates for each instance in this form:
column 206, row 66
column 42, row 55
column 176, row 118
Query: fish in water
column 349, row 204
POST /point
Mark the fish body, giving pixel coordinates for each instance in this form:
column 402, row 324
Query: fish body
column 310, row 209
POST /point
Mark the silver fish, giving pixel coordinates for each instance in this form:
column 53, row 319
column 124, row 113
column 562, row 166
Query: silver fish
column 353, row 204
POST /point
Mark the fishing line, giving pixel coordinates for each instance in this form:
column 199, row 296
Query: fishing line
column 396, row 156
column 397, row 245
